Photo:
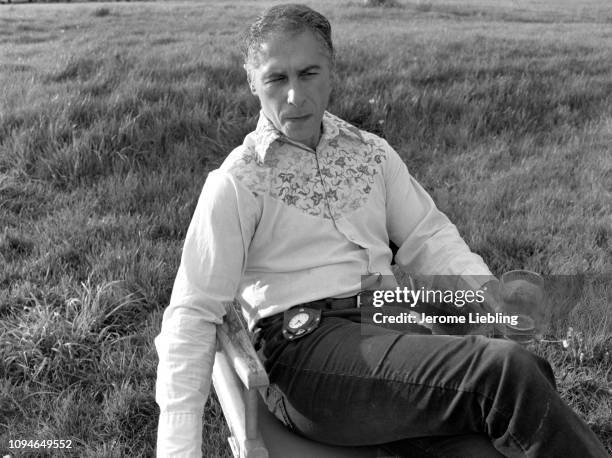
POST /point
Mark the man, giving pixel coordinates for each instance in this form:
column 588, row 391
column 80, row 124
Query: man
column 299, row 214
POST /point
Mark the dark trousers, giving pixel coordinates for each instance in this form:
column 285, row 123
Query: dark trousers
column 422, row 395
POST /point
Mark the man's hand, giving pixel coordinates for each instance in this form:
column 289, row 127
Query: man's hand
column 492, row 295
column 493, row 304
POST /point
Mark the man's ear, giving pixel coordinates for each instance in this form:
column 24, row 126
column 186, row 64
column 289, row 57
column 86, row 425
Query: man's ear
column 250, row 81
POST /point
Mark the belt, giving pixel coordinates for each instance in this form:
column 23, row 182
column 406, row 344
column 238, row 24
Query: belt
column 329, row 306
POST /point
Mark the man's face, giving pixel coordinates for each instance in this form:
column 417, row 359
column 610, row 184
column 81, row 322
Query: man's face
column 293, row 82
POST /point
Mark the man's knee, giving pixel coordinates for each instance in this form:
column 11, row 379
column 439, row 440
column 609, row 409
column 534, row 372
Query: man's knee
column 510, row 359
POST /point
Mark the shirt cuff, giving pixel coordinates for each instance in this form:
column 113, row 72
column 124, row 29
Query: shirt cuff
column 179, row 435
column 476, row 282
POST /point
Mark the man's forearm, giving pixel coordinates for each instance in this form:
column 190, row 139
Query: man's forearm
column 186, row 352
column 179, row 435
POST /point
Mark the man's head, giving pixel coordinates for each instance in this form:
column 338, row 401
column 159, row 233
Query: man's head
column 288, row 58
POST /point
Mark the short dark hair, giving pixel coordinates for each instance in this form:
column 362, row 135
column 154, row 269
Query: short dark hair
column 291, row 18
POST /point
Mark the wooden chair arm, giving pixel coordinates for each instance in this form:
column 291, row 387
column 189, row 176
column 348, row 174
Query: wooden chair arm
column 238, row 375
column 233, row 340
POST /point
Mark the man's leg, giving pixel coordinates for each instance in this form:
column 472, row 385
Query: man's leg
column 339, row 386
column 461, row 446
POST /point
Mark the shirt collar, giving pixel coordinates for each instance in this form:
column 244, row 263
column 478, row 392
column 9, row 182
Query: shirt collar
column 267, row 136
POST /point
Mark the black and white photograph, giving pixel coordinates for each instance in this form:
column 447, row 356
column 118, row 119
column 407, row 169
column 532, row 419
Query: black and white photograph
column 326, row 229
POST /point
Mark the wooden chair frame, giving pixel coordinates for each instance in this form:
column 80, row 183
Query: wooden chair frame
column 238, row 375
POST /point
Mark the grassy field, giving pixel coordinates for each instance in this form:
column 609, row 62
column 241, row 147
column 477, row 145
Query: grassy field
column 111, row 115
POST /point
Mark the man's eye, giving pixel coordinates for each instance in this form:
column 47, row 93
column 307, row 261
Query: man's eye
column 310, row 74
column 276, row 79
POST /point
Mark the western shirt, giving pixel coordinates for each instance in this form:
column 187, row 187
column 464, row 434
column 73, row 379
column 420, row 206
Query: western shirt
column 280, row 224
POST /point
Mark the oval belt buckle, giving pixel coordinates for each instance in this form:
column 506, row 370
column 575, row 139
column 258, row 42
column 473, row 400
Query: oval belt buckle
column 300, row 321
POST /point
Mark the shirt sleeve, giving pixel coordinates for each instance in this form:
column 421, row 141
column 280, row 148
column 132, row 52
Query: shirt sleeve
column 429, row 244
column 212, row 262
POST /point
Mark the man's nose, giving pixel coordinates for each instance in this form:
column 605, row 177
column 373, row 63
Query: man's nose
column 295, row 96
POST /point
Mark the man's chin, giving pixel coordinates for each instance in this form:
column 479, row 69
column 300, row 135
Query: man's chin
column 298, row 135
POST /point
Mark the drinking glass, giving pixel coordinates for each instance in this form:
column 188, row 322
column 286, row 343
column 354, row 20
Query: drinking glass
column 522, row 297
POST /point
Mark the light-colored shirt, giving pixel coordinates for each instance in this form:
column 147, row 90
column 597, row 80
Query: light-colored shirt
column 279, row 224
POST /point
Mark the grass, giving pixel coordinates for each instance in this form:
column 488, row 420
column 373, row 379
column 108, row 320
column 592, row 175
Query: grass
column 111, row 115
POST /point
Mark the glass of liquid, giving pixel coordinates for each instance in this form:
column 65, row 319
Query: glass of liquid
column 522, row 301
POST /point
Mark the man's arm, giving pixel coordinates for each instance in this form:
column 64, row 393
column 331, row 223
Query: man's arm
column 212, row 262
column 428, row 243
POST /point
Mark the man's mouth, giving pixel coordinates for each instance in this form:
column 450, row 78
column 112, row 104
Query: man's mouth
column 297, row 118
